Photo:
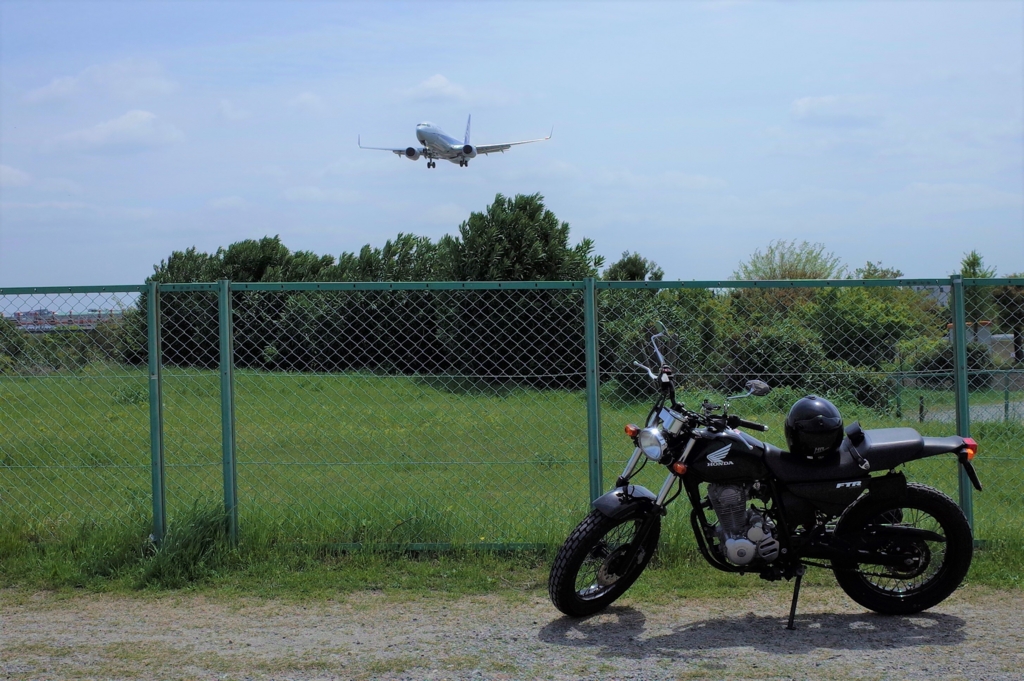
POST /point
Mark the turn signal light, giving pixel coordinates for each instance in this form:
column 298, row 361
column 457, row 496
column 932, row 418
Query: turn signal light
column 679, row 468
column 632, row 430
column 972, row 448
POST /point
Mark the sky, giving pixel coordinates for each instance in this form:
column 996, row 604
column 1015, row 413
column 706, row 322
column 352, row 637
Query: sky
column 693, row 133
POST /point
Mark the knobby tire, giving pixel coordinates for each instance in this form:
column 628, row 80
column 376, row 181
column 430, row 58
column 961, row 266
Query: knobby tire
column 577, row 585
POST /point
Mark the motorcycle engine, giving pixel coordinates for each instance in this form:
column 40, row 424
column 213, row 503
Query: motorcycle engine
column 744, row 534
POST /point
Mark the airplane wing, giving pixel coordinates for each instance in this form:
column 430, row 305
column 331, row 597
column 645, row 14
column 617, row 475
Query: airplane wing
column 491, row 148
column 400, row 152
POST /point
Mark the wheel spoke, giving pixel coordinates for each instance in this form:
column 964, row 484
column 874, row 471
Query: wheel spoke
column 929, row 555
column 587, row 585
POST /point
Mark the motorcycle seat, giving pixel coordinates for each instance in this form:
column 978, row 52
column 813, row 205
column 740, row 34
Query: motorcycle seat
column 883, row 448
column 941, row 445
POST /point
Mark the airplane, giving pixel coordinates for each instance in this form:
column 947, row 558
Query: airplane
column 438, row 145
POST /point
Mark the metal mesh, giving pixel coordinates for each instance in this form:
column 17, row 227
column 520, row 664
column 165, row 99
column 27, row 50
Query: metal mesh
column 190, row 345
column 994, row 315
column 456, row 413
column 74, row 420
column 425, row 417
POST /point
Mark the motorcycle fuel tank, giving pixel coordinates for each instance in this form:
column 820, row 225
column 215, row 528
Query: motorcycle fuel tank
column 724, row 456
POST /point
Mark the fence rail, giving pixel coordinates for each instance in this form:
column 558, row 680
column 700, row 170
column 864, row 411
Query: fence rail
column 463, row 413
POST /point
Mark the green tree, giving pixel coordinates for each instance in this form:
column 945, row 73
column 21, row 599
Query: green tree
column 875, row 270
column 517, row 239
column 979, row 305
column 533, row 337
column 790, row 260
column 633, row 267
column 782, row 260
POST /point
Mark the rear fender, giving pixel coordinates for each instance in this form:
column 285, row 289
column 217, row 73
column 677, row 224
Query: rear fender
column 625, row 502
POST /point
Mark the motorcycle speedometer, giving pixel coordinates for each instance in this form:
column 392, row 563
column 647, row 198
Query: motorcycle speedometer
column 652, row 442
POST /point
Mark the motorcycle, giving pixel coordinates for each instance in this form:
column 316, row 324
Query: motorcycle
column 895, row 547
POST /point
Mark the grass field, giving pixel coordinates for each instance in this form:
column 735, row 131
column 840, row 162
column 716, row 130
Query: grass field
column 334, row 460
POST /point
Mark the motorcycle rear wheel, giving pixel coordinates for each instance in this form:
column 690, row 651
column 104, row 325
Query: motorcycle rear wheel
column 588, row 573
column 938, row 567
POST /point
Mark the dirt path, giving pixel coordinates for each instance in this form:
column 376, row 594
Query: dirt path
column 976, row 634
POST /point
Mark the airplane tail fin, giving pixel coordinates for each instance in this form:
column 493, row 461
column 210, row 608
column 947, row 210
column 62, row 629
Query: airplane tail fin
column 468, row 120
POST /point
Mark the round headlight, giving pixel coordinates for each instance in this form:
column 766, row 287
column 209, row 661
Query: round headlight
column 652, row 442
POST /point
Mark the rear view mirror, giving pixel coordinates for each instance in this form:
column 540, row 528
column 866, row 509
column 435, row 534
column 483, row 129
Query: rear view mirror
column 758, row 388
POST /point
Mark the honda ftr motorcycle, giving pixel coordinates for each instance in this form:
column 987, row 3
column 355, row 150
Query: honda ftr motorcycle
column 834, row 500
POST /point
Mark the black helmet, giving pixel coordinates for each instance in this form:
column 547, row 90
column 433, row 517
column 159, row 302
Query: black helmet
column 814, row 428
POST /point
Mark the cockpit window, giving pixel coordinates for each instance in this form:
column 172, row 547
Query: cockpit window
column 425, row 125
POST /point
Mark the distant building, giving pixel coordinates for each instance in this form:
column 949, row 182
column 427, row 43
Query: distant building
column 940, row 294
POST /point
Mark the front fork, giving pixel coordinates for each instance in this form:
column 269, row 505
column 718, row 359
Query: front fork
column 658, row 507
column 666, row 487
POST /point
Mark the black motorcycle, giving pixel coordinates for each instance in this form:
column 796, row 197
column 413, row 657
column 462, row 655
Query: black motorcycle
column 834, row 501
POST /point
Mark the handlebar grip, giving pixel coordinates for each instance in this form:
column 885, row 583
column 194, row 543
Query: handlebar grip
column 743, row 423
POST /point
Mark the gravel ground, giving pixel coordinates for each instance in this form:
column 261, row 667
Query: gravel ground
column 976, row 634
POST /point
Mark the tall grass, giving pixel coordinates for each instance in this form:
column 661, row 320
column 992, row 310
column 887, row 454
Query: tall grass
column 331, row 463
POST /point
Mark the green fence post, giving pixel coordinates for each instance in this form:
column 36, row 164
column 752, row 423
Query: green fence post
column 963, row 405
column 227, row 407
column 156, row 412
column 593, row 379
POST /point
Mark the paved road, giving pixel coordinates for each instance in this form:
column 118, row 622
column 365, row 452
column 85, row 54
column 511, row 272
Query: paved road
column 980, row 412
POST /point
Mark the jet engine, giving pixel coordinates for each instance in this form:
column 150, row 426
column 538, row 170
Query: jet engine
column 469, row 151
column 412, row 154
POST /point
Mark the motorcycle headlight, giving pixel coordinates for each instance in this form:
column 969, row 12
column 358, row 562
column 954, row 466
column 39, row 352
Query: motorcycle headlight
column 652, row 442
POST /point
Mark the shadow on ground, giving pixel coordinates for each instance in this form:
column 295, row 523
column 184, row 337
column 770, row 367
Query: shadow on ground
column 620, row 631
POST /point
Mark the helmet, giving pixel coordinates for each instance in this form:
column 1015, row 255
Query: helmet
column 814, row 428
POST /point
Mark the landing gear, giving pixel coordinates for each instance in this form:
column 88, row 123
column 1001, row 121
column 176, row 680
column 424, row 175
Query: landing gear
column 431, row 164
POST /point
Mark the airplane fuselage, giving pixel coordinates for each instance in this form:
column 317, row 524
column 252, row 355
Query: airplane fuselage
column 443, row 146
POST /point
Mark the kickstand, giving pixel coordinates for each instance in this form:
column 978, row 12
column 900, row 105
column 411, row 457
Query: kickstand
column 796, row 595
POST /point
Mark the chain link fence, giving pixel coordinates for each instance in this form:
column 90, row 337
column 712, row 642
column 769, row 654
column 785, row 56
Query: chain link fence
column 994, row 408
column 410, row 416
column 430, row 415
column 74, row 420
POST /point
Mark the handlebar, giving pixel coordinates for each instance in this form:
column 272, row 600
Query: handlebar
column 649, row 372
column 735, row 421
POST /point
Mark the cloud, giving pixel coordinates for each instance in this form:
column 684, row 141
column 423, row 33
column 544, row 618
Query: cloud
column 320, row 195
column 308, row 102
column 60, row 185
column 59, row 88
column 45, row 210
column 837, row 111
column 668, row 180
column 134, row 131
column 228, row 202
column 127, row 79
column 437, row 87
column 230, row 112
column 944, row 201
column 12, row 177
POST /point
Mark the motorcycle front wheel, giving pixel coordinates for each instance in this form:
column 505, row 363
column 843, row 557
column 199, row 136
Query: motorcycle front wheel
column 590, row 570
column 928, row 528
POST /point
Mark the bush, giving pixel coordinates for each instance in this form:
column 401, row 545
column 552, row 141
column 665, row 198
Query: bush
column 628, row 320
column 935, row 364
column 12, row 345
column 783, row 354
column 863, row 326
column 861, row 386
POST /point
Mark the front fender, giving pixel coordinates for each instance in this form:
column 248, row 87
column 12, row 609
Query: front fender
column 625, row 502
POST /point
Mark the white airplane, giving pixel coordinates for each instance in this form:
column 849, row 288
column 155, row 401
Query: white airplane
column 438, row 145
